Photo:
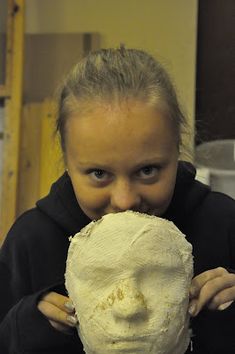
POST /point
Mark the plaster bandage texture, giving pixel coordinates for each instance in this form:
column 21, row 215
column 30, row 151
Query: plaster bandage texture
column 128, row 275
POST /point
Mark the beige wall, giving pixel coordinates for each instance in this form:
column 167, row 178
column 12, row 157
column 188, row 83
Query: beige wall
column 166, row 28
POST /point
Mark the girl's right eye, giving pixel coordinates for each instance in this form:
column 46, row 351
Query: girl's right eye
column 99, row 175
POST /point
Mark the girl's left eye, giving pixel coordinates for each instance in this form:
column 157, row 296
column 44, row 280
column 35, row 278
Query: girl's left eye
column 148, row 172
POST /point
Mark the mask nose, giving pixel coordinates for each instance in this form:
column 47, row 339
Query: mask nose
column 124, row 196
column 130, row 303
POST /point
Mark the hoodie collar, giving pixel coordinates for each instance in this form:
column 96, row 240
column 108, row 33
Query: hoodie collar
column 61, row 205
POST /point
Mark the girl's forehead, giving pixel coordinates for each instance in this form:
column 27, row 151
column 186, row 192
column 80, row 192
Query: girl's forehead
column 116, row 109
column 118, row 116
column 131, row 131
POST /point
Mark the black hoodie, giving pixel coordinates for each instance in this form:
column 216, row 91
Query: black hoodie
column 33, row 257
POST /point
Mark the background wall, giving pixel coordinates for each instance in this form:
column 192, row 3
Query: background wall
column 166, row 28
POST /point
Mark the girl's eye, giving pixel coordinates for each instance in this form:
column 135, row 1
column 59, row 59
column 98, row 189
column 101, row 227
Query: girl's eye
column 99, row 175
column 148, row 172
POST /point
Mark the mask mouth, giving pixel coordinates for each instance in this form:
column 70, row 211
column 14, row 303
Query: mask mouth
column 130, row 339
column 139, row 341
column 125, row 345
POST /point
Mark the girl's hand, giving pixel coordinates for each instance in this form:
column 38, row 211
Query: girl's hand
column 59, row 311
column 214, row 288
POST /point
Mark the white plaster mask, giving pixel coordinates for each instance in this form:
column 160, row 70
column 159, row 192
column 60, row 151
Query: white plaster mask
column 128, row 275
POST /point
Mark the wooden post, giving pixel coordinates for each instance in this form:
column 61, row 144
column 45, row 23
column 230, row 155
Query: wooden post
column 29, row 167
column 5, row 87
column 12, row 121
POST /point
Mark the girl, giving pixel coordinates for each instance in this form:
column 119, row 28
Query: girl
column 120, row 126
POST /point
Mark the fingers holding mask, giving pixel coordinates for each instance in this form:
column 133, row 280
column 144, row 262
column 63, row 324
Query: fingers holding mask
column 214, row 288
column 59, row 311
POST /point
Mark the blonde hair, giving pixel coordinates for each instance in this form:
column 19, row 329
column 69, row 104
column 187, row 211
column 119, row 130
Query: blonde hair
column 113, row 75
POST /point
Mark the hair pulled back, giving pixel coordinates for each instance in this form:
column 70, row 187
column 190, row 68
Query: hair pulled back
column 113, row 75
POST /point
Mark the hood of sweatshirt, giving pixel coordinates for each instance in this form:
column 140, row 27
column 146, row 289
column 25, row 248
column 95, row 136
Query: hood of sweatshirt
column 62, row 207
column 188, row 194
column 61, row 204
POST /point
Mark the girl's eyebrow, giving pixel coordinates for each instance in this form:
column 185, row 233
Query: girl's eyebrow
column 152, row 161
column 144, row 162
column 89, row 164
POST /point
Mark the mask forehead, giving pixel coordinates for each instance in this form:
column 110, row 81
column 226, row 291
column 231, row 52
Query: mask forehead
column 119, row 236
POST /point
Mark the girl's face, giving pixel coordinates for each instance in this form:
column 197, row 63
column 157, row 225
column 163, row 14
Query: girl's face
column 122, row 158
